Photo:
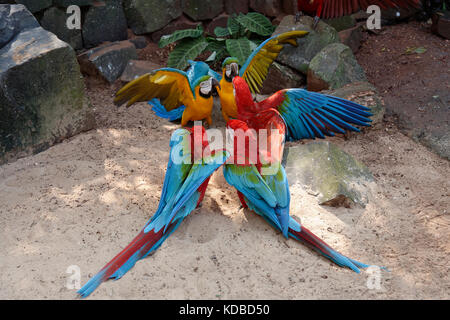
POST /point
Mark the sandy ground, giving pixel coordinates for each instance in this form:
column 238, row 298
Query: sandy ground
column 80, row 202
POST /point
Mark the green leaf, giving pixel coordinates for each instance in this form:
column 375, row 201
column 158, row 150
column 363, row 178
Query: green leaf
column 239, row 48
column 218, row 49
column 186, row 49
column 257, row 23
column 232, row 28
column 179, row 35
column 412, row 50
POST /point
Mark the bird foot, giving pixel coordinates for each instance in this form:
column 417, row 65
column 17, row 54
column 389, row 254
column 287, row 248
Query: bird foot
column 316, row 21
column 298, row 15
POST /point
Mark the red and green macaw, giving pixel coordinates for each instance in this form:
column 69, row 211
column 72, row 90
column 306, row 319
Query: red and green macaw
column 307, row 115
column 190, row 167
column 190, row 99
column 337, row 8
column 261, row 180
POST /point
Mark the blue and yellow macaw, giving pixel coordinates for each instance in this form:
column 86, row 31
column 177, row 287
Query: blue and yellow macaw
column 174, row 89
column 190, row 167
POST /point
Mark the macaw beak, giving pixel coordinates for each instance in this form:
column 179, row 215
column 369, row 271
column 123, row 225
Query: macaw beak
column 234, row 70
column 215, row 84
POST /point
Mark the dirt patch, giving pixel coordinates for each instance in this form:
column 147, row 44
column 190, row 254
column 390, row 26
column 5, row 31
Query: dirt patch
column 415, row 86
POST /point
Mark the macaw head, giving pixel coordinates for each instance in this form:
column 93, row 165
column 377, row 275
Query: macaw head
column 206, row 86
column 245, row 143
column 230, row 68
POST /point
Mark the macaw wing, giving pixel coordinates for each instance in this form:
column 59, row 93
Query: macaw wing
column 255, row 69
column 309, row 115
column 199, row 173
column 178, row 170
column 338, row 8
column 248, row 181
column 169, row 85
column 199, row 69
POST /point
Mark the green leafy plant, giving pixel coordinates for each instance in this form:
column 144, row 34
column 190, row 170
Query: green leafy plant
column 243, row 33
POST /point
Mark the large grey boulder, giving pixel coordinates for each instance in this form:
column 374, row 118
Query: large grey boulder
column 146, row 16
column 324, row 170
column 109, row 60
column 270, row 8
column 308, row 46
column 282, row 77
column 333, row 67
column 35, row 5
column 236, row 6
column 54, row 20
column 13, row 20
column 202, row 9
column 42, row 97
column 104, row 21
column 341, row 23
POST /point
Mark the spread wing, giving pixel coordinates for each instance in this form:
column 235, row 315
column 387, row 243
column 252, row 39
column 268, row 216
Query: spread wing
column 338, row 8
column 169, row 85
column 310, row 115
column 255, row 69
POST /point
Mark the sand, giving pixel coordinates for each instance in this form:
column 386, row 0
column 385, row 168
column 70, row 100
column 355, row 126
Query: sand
column 80, row 202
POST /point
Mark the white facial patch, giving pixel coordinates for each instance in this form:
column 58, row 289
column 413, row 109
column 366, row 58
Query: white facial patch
column 228, row 70
column 206, row 87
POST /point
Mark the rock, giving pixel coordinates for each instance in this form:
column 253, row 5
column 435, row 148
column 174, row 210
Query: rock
column 341, row 23
column 336, row 177
column 236, row 6
column 54, row 20
column 270, row 8
column 108, row 61
column 219, row 21
column 352, row 37
column 67, row 3
column 395, row 15
column 334, row 67
column 137, row 68
column 441, row 24
column 179, row 24
column 13, row 20
column 365, row 94
column 299, row 58
column 202, row 9
column 42, row 97
column 146, row 16
column 35, row 5
column 104, row 21
column 289, row 6
column 139, row 42
column 282, row 77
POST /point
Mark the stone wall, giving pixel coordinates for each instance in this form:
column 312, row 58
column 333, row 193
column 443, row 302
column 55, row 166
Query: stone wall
column 108, row 20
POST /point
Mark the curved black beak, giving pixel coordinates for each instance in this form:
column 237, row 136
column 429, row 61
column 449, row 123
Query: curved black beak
column 215, row 84
column 234, row 70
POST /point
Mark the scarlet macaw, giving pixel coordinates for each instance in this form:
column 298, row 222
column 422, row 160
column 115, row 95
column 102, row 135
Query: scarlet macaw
column 307, row 115
column 268, row 194
column 336, row 8
column 190, row 167
column 174, row 89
